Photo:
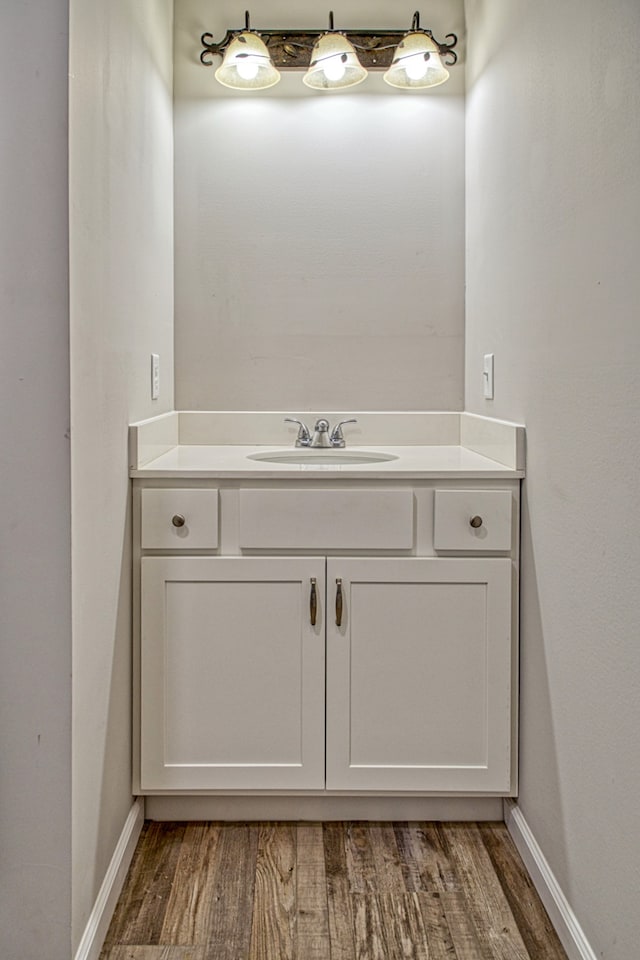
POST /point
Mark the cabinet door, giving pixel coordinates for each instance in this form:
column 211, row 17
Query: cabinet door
column 419, row 675
column 232, row 673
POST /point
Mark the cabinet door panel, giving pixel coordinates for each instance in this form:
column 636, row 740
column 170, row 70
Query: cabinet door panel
column 233, row 674
column 419, row 675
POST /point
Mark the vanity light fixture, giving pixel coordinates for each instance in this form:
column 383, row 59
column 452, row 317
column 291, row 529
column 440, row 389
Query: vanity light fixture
column 334, row 62
column 247, row 64
column 416, row 62
column 332, row 59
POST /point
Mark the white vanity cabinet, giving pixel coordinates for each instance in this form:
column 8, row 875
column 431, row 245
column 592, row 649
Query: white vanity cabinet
column 279, row 657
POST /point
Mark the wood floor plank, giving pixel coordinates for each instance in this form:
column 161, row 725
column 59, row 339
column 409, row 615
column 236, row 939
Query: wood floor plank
column 436, row 926
column 386, row 858
column 405, row 935
column 133, row 952
column 313, row 938
column 538, row 934
column 188, row 909
column 485, row 902
column 309, row 842
column 428, row 865
column 409, row 865
column 368, row 929
column 232, row 894
column 140, row 911
column 339, row 902
column 273, row 932
column 438, row 869
column 464, row 936
column 361, row 867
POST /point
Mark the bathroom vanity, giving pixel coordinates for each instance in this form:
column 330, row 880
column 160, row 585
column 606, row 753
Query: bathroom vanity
column 326, row 627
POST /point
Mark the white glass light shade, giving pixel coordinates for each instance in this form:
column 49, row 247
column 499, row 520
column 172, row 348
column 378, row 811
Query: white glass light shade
column 247, row 64
column 334, row 64
column 416, row 63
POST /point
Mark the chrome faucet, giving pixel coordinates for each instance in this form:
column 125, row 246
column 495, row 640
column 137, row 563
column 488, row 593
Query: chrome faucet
column 323, row 437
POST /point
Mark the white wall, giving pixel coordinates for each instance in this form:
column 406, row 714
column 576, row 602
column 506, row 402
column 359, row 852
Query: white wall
column 553, row 287
column 35, row 586
column 121, row 182
column 319, row 238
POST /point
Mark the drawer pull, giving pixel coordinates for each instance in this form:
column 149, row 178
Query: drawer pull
column 338, row 603
column 178, row 520
column 313, row 602
column 476, row 522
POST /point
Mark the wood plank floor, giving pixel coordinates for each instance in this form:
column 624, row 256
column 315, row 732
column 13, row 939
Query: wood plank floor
column 329, row 891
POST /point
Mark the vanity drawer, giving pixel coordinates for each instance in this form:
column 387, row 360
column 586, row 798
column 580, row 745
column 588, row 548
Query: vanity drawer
column 312, row 519
column 179, row 519
column 478, row 520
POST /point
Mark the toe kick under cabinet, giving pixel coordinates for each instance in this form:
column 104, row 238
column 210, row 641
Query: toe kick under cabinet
column 326, row 637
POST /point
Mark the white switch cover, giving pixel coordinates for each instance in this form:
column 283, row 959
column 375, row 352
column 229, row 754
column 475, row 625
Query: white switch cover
column 487, row 376
column 155, row 376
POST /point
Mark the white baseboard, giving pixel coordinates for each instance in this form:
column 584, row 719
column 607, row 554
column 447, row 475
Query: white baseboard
column 100, row 916
column 562, row 917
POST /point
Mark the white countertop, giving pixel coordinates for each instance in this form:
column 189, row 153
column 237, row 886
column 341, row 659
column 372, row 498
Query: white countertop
column 206, row 461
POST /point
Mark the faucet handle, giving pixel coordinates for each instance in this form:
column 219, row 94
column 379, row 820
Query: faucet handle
column 336, row 438
column 304, row 437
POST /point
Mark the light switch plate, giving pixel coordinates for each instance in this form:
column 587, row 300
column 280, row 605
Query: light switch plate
column 155, row 376
column 487, row 376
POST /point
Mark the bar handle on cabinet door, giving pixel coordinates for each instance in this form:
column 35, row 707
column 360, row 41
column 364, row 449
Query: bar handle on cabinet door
column 338, row 602
column 313, row 602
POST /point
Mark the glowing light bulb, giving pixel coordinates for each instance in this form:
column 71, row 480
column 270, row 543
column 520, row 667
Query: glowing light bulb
column 416, row 67
column 334, row 69
column 247, row 68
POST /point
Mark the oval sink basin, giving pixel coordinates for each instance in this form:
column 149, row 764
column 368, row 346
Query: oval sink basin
column 321, row 457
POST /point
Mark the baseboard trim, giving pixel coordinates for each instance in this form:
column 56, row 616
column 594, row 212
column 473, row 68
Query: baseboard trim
column 562, row 917
column 322, row 808
column 100, row 916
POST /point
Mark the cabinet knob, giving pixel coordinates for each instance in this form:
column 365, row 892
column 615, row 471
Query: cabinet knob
column 476, row 522
column 178, row 520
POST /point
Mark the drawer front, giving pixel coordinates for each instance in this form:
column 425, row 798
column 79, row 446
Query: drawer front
column 326, row 519
column 179, row 519
column 478, row 520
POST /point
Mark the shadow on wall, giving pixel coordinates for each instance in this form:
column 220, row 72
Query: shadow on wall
column 539, row 765
column 115, row 776
column 490, row 20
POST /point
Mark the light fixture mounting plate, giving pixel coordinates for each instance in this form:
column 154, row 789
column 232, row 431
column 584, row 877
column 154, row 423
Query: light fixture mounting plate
column 291, row 49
